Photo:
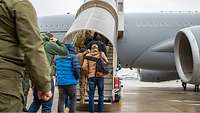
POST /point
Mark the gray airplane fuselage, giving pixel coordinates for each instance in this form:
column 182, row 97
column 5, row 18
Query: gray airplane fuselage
column 148, row 40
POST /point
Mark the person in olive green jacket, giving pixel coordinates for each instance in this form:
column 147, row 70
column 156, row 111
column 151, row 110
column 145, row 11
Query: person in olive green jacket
column 20, row 45
column 52, row 47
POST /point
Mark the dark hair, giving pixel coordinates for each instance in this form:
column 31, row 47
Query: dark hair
column 95, row 34
column 82, row 49
column 49, row 35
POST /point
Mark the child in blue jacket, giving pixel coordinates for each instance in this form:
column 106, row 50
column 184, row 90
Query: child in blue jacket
column 68, row 73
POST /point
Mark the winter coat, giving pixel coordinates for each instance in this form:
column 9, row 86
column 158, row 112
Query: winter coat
column 68, row 68
column 21, row 45
column 90, row 66
column 52, row 49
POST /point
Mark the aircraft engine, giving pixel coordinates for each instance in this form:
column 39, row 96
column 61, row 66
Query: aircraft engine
column 147, row 75
column 187, row 56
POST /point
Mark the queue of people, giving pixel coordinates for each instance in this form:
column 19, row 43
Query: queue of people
column 69, row 68
column 27, row 55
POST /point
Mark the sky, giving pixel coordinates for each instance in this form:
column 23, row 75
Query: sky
column 56, row 7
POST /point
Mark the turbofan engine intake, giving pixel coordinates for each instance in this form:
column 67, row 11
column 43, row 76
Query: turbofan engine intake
column 187, row 59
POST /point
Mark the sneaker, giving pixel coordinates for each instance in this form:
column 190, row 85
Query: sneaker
column 66, row 110
column 82, row 100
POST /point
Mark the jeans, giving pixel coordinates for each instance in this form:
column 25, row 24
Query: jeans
column 93, row 82
column 46, row 105
column 67, row 95
column 67, row 102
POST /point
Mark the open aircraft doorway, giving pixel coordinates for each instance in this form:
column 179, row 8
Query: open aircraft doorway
column 82, row 39
column 98, row 18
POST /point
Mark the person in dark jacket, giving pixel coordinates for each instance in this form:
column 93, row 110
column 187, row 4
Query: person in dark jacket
column 88, row 37
column 68, row 73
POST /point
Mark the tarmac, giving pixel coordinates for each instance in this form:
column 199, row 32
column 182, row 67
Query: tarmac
column 143, row 97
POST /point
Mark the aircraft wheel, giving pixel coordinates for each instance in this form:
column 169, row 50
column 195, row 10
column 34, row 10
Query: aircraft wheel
column 117, row 98
column 196, row 88
column 184, row 85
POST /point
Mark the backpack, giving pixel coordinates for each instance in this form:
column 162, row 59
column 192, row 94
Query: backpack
column 101, row 67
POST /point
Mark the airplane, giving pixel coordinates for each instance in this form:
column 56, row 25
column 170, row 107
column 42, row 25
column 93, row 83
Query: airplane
column 162, row 45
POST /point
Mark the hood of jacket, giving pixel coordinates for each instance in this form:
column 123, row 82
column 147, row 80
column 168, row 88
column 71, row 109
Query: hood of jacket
column 70, row 48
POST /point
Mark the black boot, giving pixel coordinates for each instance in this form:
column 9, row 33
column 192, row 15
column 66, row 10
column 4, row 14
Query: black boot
column 184, row 85
column 25, row 110
column 195, row 88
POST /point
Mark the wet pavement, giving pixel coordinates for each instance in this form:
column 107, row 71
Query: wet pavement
column 141, row 97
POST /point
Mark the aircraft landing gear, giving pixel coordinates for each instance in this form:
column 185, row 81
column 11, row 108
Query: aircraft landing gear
column 184, row 85
column 196, row 88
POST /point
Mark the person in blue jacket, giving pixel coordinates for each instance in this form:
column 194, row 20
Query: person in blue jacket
column 68, row 73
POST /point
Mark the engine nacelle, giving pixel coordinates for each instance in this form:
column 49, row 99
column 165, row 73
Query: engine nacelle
column 187, row 57
column 157, row 75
